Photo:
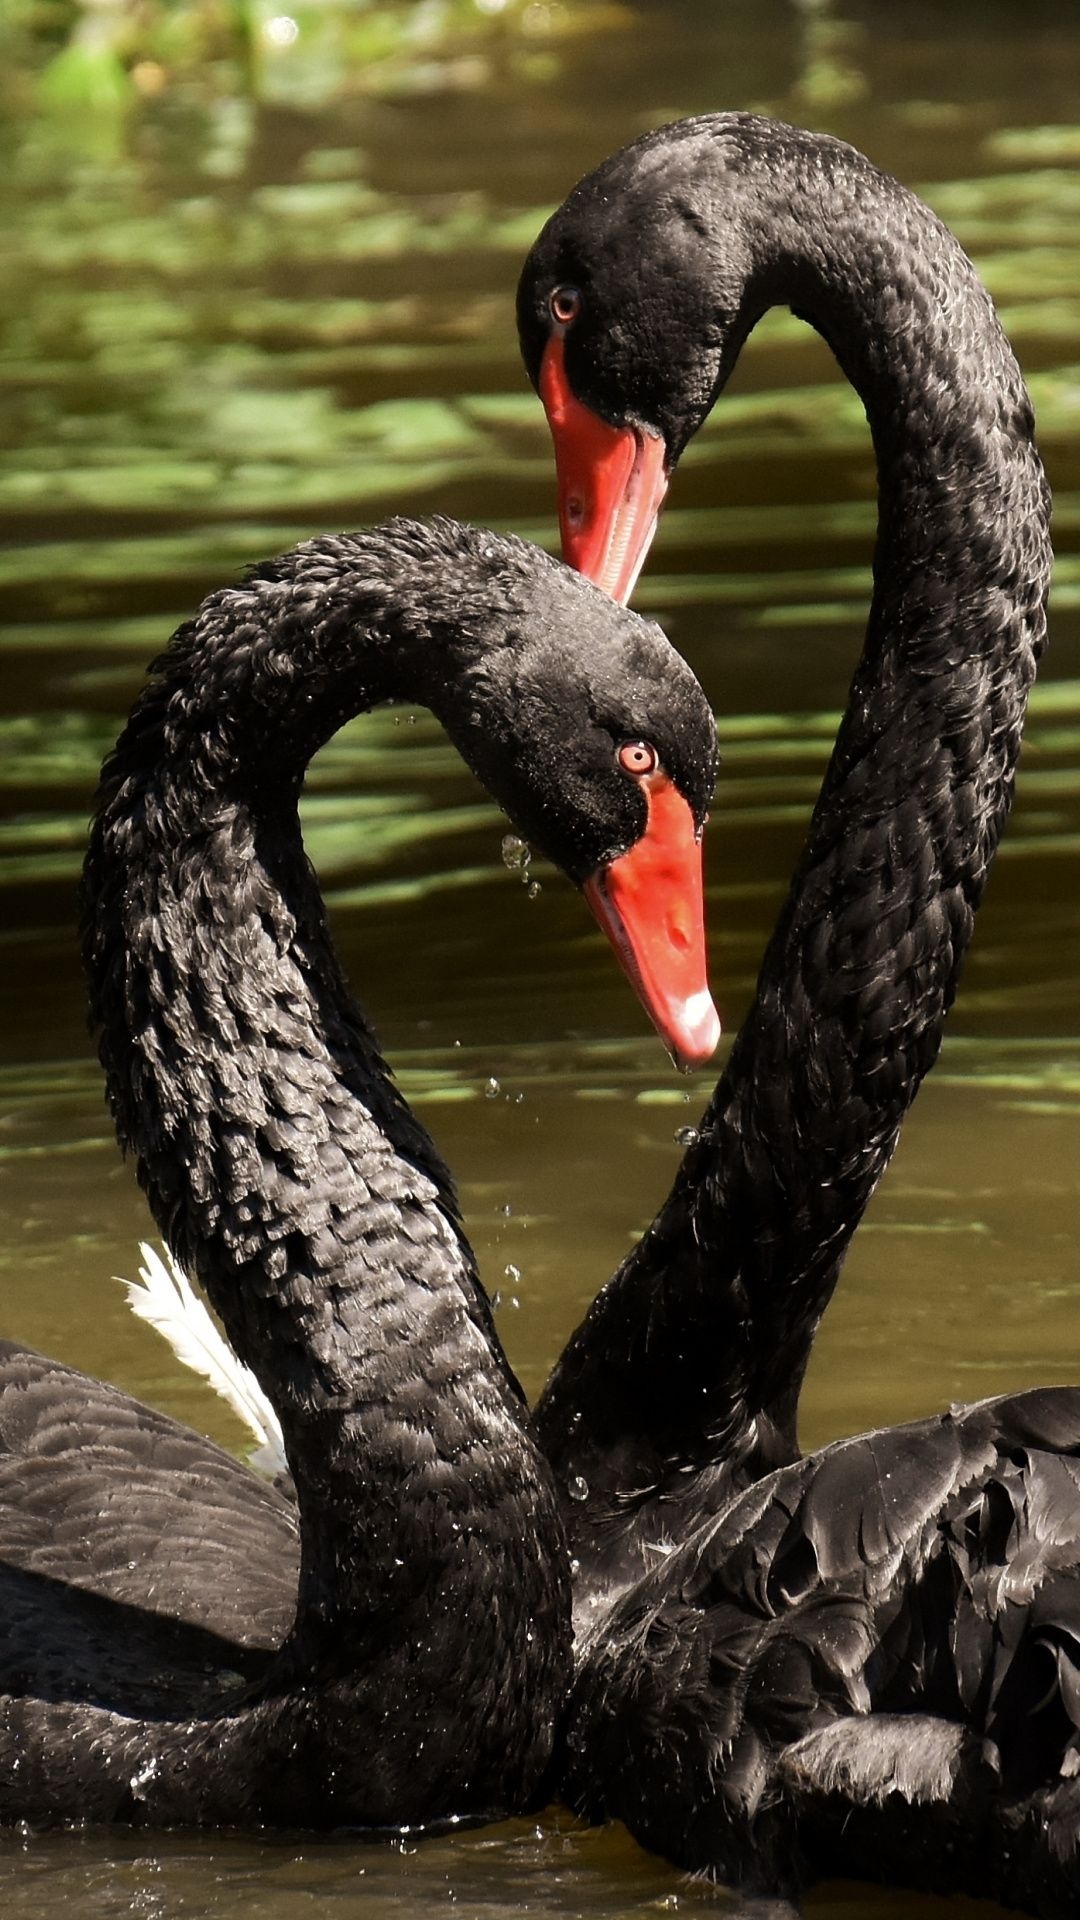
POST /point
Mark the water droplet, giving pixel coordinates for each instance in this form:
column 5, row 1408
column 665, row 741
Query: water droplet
column 578, row 1489
column 142, row 1777
column 491, row 1091
column 686, row 1136
column 512, row 1273
column 517, row 857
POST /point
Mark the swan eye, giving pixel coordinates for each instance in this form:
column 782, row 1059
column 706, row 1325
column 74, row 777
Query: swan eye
column 638, row 758
column 564, row 305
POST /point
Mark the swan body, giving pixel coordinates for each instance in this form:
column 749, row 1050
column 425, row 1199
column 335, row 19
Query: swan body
column 867, row 1661
column 179, row 1644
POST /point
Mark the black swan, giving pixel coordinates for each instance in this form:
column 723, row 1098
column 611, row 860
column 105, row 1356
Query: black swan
column 868, row 1661
column 161, row 1658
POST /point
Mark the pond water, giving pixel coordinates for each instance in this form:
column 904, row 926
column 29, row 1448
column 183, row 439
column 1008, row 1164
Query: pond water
column 258, row 283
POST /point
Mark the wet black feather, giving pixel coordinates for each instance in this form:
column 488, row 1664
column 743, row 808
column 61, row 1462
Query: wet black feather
column 865, row 1662
column 177, row 1644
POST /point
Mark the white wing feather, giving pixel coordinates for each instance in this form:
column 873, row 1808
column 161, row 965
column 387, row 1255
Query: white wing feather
column 164, row 1297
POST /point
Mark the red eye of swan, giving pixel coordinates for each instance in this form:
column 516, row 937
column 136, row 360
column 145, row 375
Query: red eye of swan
column 564, row 305
column 638, row 758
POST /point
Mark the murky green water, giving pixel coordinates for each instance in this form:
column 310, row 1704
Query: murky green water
column 266, row 289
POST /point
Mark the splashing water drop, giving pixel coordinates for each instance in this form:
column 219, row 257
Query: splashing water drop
column 142, row 1777
column 492, row 1090
column 517, row 858
column 578, row 1489
column 686, row 1136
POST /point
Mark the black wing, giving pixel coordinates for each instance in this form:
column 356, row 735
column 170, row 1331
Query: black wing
column 140, row 1565
column 869, row 1662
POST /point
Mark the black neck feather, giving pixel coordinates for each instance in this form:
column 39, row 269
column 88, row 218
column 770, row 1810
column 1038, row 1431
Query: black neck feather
column 691, row 1359
column 286, row 1171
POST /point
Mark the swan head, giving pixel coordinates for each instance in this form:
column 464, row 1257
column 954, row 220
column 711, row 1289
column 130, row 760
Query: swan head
column 632, row 307
column 597, row 740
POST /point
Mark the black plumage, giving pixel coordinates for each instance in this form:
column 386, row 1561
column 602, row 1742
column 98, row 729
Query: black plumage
column 868, row 1662
column 177, row 1643
column 864, row 1662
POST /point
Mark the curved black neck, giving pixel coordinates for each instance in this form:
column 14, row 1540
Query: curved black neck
column 284, row 1168
column 687, row 1370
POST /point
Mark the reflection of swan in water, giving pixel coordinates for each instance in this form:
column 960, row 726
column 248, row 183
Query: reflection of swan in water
column 868, row 1661
column 158, row 1660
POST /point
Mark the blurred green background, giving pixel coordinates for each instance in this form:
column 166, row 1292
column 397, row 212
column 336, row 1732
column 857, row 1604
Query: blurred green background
column 257, row 265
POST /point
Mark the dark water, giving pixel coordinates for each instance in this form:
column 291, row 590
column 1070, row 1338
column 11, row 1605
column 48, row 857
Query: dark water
column 262, row 290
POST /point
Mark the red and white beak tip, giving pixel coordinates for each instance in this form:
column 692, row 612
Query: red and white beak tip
column 693, row 1033
column 649, row 902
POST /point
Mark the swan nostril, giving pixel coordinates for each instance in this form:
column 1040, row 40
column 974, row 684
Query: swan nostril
column 575, row 510
column 680, row 927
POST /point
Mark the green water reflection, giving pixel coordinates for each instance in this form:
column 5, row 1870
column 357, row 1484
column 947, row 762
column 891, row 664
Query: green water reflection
column 256, row 286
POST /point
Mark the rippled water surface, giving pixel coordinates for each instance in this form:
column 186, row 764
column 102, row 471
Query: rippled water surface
column 255, row 286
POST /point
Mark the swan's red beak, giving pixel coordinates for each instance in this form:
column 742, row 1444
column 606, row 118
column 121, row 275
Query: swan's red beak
column 649, row 903
column 611, row 483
